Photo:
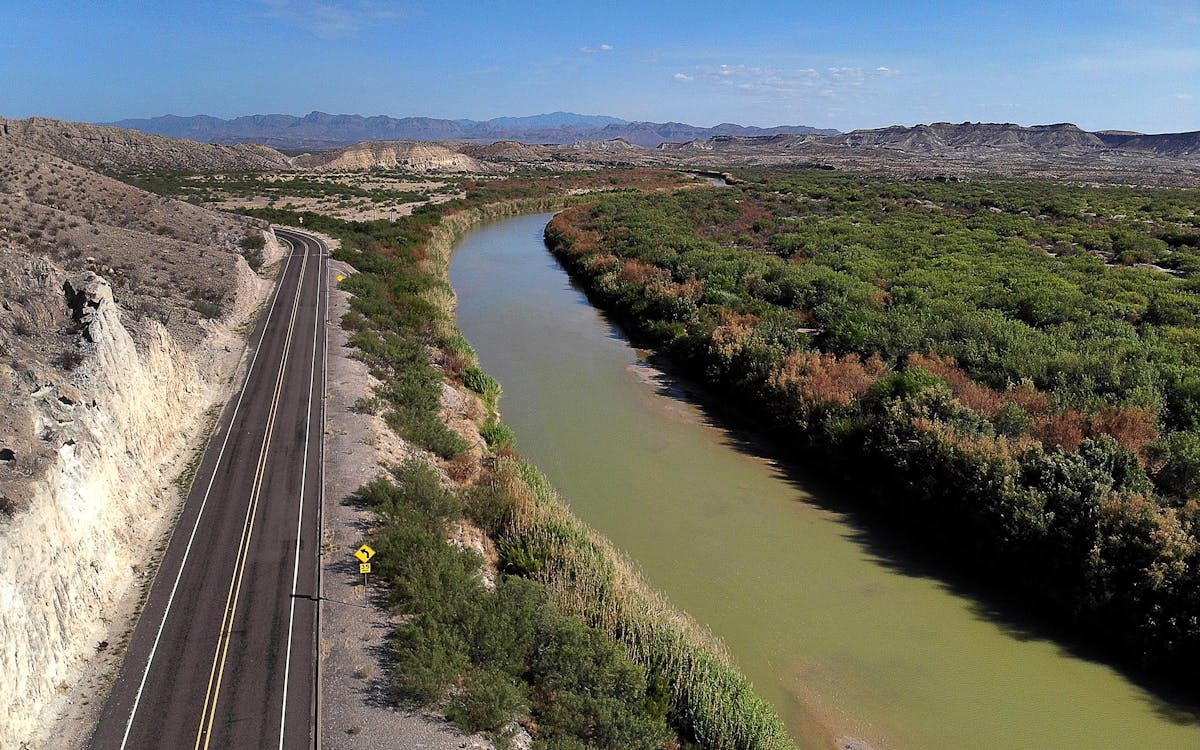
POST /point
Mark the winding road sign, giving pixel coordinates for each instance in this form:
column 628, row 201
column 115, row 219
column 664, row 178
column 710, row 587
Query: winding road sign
column 364, row 553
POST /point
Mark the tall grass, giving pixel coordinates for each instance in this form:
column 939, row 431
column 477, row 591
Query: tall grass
column 710, row 700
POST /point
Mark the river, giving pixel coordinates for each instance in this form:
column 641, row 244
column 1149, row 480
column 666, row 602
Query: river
column 845, row 635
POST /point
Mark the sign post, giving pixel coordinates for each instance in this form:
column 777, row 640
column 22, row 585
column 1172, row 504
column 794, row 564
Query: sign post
column 364, row 555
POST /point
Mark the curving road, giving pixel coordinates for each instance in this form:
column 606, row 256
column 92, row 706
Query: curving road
column 224, row 653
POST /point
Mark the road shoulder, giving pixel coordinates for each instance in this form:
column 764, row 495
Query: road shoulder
column 356, row 711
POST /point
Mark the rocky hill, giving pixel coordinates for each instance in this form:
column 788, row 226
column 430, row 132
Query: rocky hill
column 318, row 130
column 111, row 149
column 121, row 318
column 1179, row 145
column 942, row 136
column 1061, row 151
column 405, row 155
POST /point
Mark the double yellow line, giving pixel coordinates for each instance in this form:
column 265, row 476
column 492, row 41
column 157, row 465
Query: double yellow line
column 204, row 731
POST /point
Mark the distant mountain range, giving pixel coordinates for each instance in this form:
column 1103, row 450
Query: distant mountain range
column 1060, row 138
column 978, row 141
column 318, row 130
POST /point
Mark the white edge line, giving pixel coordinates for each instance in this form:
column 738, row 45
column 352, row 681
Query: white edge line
column 312, row 379
column 321, row 512
column 200, row 514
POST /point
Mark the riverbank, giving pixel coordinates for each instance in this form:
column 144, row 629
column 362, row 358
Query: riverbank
column 846, row 631
column 537, row 539
column 1014, row 431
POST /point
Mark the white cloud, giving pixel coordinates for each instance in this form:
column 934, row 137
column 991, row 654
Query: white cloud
column 1183, row 97
column 594, row 50
column 683, row 77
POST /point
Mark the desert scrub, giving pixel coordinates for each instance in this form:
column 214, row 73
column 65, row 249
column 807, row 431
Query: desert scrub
column 410, row 387
column 492, row 656
column 252, row 250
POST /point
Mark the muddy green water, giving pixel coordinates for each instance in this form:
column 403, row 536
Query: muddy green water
column 846, row 637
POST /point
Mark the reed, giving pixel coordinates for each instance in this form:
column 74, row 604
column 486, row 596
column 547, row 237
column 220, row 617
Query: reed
column 710, row 701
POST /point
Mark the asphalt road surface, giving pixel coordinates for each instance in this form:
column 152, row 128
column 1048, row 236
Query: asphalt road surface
column 224, row 653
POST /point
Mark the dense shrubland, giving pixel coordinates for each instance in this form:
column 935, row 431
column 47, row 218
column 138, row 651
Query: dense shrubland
column 1013, row 365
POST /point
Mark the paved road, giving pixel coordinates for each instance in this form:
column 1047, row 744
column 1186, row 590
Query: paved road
column 223, row 655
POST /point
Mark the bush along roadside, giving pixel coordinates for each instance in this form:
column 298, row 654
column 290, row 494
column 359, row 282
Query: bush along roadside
column 570, row 641
column 488, row 656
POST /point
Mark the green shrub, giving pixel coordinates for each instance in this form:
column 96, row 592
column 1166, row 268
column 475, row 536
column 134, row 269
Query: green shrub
column 506, row 653
column 479, row 381
column 490, row 506
column 208, row 310
column 1013, row 421
column 497, row 434
column 427, row 431
column 489, row 700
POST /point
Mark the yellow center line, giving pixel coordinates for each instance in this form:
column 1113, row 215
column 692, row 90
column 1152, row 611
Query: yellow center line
column 204, row 731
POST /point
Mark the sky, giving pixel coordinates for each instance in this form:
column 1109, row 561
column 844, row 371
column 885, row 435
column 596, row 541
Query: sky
column 1102, row 65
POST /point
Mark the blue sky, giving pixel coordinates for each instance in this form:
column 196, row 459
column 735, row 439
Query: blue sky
column 1132, row 65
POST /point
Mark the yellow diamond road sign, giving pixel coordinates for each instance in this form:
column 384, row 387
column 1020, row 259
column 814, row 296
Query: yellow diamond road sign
column 364, row 553
column 364, row 568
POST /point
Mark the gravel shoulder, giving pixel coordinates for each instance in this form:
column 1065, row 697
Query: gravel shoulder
column 356, row 711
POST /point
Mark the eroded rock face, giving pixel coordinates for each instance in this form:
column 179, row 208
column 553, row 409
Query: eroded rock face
column 418, row 157
column 90, row 420
column 96, row 408
column 85, row 295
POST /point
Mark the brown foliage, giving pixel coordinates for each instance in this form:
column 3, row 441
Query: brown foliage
column 600, row 263
column 970, row 394
column 827, row 379
column 690, row 289
column 976, row 444
column 577, row 241
column 1029, row 398
column 637, row 273
column 733, row 331
column 462, row 468
column 1065, row 430
column 454, row 363
column 1131, row 426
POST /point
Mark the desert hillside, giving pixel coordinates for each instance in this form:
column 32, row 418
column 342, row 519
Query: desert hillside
column 111, row 149
column 121, row 322
column 405, row 155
